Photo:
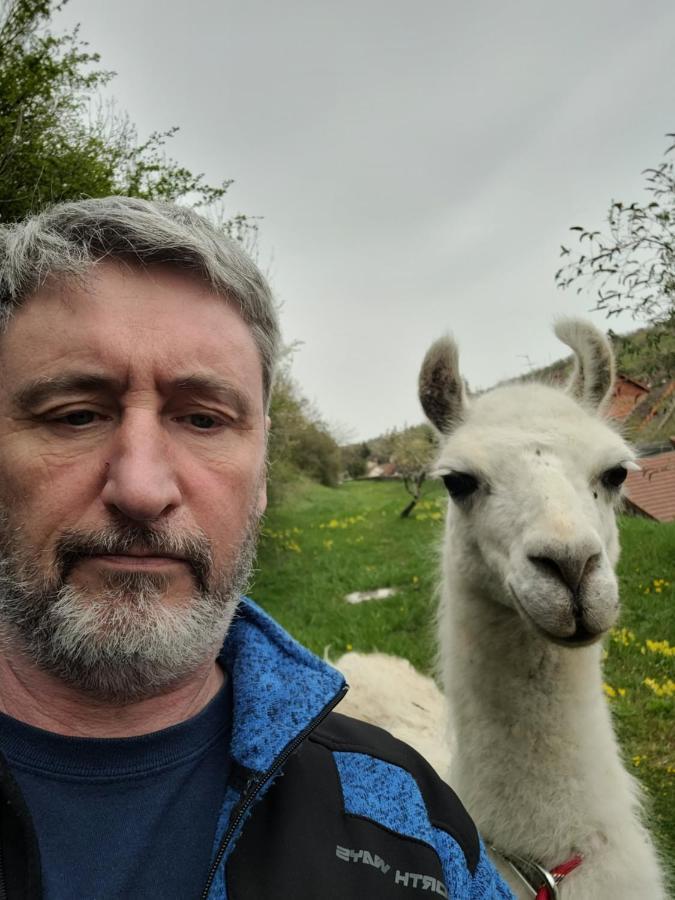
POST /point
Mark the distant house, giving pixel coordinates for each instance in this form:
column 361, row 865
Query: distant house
column 651, row 492
column 653, row 416
column 625, row 397
column 381, row 470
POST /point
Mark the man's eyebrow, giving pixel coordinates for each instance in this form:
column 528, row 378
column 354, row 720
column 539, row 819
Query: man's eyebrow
column 35, row 392
column 216, row 386
column 32, row 393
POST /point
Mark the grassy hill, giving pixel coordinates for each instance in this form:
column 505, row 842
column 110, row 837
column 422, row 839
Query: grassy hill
column 324, row 543
column 646, row 356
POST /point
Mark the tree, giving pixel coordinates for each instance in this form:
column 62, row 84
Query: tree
column 632, row 263
column 301, row 445
column 355, row 459
column 50, row 148
column 413, row 450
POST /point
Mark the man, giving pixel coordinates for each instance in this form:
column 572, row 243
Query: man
column 146, row 713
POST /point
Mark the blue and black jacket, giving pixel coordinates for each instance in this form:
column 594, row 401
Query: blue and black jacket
column 318, row 806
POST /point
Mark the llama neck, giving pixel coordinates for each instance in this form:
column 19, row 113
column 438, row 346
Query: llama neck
column 531, row 728
column 482, row 636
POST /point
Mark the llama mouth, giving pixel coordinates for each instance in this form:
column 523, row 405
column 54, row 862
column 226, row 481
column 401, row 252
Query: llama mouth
column 581, row 636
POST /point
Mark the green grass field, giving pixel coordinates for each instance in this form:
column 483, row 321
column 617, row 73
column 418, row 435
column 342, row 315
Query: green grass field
column 324, row 543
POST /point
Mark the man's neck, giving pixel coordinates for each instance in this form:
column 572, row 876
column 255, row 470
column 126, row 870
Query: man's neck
column 41, row 700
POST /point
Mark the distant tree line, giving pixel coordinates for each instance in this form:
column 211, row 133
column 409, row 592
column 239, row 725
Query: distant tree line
column 301, row 445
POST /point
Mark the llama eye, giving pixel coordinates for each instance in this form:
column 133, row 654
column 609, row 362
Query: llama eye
column 460, row 485
column 614, row 477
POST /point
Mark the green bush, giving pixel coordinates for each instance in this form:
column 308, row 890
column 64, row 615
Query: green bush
column 301, row 445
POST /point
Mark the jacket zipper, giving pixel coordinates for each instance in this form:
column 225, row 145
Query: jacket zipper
column 256, row 786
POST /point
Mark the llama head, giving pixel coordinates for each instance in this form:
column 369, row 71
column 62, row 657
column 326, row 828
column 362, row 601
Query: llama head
column 534, row 475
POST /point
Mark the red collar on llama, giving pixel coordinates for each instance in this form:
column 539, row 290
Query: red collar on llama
column 542, row 882
column 558, row 873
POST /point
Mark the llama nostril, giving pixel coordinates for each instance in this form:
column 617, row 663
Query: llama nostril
column 568, row 568
column 546, row 565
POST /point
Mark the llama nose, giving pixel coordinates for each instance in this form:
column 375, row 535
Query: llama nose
column 565, row 565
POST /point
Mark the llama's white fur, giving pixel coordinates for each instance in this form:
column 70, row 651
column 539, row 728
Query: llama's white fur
column 535, row 759
column 388, row 691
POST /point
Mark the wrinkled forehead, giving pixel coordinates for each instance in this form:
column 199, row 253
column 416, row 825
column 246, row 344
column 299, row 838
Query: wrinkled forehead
column 111, row 278
column 121, row 316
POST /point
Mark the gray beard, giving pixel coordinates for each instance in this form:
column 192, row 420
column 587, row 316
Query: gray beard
column 125, row 643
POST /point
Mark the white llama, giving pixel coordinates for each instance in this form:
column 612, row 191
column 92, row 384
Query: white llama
column 528, row 589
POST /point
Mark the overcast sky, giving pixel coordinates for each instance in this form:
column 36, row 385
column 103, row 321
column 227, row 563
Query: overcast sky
column 416, row 165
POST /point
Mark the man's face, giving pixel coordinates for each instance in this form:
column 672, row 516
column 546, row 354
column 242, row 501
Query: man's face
column 132, row 453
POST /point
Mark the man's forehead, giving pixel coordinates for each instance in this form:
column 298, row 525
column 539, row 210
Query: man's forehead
column 35, row 390
column 123, row 320
column 120, row 275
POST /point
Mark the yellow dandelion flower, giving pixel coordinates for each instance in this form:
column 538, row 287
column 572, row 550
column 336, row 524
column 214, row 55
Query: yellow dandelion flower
column 663, row 648
column 623, row 636
column 666, row 689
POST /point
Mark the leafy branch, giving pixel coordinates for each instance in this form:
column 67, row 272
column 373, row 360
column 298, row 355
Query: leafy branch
column 631, row 264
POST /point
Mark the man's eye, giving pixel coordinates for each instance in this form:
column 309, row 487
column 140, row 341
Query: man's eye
column 203, row 421
column 78, row 417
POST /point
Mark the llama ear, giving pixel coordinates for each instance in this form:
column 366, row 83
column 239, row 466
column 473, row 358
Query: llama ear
column 441, row 388
column 593, row 377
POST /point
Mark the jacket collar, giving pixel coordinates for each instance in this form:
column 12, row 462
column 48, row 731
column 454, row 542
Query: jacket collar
column 278, row 686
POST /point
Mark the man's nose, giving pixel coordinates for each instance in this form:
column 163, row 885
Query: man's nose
column 140, row 479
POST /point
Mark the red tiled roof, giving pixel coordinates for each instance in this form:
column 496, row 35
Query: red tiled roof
column 652, row 490
column 625, row 397
column 627, row 380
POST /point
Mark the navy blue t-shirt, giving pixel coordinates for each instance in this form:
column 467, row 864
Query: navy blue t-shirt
column 130, row 818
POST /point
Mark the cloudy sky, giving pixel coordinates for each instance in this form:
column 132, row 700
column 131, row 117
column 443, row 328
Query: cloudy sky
column 416, row 165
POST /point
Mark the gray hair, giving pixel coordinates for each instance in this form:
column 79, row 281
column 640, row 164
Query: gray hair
column 67, row 239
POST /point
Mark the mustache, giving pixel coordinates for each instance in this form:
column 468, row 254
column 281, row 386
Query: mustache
column 114, row 540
